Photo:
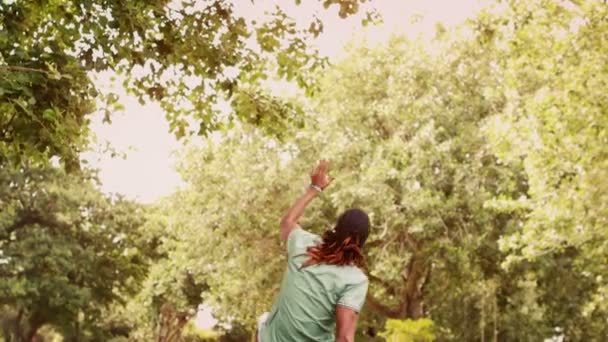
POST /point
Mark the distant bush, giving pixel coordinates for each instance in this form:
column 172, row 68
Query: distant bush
column 192, row 333
column 420, row 330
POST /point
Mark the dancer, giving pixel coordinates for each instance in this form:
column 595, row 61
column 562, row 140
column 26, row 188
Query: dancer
column 323, row 288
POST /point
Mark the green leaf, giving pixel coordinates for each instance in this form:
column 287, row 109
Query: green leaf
column 49, row 114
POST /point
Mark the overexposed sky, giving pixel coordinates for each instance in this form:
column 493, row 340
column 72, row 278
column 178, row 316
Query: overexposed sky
column 143, row 133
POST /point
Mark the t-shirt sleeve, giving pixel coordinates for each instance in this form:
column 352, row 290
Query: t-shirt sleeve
column 298, row 241
column 353, row 295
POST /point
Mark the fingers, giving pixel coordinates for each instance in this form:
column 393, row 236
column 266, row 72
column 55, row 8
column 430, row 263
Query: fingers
column 317, row 169
column 320, row 174
column 323, row 165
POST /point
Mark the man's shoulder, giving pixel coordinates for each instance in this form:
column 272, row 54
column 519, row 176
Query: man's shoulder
column 300, row 239
column 359, row 276
column 351, row 275
column 299, row 234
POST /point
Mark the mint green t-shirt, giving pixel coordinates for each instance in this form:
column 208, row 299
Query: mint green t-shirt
column 305, row 309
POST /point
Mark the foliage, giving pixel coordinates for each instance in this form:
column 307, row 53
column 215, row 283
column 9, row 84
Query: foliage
column 554, row 124
column 420, row 330
column 194, row 334
column 410, row 168
column 479, row 156
column 210, row 265
column 66, row 251
column 188, row 55
column 418, row 138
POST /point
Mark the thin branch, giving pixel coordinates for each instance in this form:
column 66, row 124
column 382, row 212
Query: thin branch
column 426, row 279
column 48, row 73
column 7, row 125
column 413, row 243
column 32, row 218
column 445, row 226
column 378, row 307
column 24, row 221
column 390, row 289
column 26, row 69
column 373, row 244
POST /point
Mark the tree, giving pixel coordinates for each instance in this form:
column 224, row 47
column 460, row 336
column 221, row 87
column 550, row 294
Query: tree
column 402, row 122
column 170, row 295
column 66, row 252
column 195, row 267
column 554, row 123
column 187, row 55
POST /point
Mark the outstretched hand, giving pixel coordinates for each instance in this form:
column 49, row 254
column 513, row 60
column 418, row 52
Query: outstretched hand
column 320, row 175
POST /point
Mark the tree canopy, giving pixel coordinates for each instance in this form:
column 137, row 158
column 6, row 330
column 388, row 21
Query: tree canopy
column 66, row 252
column 188, row 55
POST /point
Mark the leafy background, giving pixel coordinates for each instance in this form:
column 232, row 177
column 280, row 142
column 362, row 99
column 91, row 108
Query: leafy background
column 480, row 156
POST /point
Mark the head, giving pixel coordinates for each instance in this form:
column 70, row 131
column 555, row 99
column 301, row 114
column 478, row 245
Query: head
column 343, row 245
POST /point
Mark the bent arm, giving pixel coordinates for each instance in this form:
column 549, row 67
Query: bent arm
column 346, row 323
column 290, row 220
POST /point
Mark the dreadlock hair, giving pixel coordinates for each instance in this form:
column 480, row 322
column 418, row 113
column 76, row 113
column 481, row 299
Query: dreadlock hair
column 343, row 245
column 334, row 252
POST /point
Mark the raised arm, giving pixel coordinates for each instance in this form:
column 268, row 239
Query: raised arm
column 319, row 180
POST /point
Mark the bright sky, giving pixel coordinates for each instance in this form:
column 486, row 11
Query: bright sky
column 142, row 131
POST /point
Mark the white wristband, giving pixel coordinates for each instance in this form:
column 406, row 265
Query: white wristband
column 316, row 187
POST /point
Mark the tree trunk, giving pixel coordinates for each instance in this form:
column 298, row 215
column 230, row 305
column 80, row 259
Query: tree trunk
column 17, row 326
column 171, row 324
column 416, row 276
column 29, row 335
column 33, row 325
column 415, row 307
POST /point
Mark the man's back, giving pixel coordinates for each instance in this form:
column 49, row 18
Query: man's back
column 305, row 307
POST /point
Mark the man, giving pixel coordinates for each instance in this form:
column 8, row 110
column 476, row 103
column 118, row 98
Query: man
column 323, row 288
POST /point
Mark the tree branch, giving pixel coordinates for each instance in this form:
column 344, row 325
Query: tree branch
column 22, row 222
column 32, row 218
column 390, row 289
column 20, row 68
column 373, row 244
column 411, row 241
column 382, row 309
column 7, row 125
